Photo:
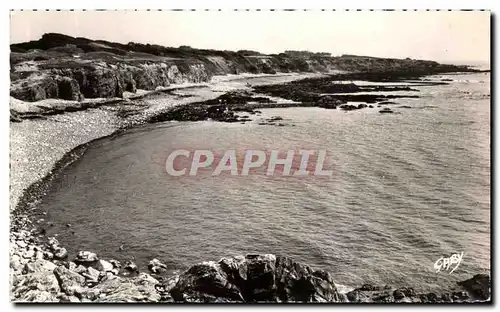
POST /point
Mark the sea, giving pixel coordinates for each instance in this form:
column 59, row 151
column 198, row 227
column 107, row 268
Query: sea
column 406, row 189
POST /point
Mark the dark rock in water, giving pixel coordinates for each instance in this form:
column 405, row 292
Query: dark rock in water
column 403, row 292
column 14, row 116
column 156, row 266
column 369, row 287
column 360, row 295
column 370, row 293
column 329, row 102
column 387, row 103
column 325, row 289
column 193, row 112
column 205, row 282
column 348, row 107
column 86, row 258
column 398, row 294
column 328, row 105
column 297, row 282
column 243, row 119
column 238, row 97
column 478, row 286
column 386, row 110
column 260, row 284
column 353, row 296
column 312, row 90
column 255, row 278
column 383, row 297
column 404, row 106
column 216, row 109
column 275, row 118
column 429, row 298
column 221, row 113
column 370, row 106
column 131, row 267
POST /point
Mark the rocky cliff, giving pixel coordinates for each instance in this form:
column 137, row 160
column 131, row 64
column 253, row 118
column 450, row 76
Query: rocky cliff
column 64, row 67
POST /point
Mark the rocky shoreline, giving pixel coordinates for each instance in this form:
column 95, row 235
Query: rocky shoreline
column 92, row 104
column 41, row 272
column 30, row 249
column 328, row 92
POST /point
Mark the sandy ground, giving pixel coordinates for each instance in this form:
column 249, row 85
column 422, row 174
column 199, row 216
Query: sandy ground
column 36, row 145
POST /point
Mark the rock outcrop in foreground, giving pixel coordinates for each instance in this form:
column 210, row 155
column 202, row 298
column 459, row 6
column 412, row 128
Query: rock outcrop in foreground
column 261, row 278
column 270, row 278
column 38, row 275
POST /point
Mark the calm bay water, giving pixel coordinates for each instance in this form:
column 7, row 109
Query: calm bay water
column 406, row 189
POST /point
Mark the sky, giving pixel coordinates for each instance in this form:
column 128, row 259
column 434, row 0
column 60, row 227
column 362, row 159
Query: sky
column 443, row 36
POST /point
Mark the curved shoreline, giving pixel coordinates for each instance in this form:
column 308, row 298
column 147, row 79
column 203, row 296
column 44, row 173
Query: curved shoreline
column 22, row 210
column 106, row 114
column 36, row 190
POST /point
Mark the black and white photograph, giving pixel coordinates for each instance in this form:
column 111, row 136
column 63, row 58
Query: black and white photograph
column 250, row 156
